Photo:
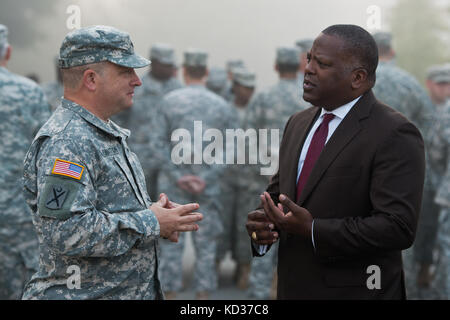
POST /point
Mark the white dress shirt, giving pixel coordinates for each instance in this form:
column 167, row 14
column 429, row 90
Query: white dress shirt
column 339, row 115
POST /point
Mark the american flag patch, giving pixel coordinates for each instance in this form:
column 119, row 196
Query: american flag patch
column 68, row 169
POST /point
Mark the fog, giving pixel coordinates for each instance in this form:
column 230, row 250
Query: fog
column 226, row 29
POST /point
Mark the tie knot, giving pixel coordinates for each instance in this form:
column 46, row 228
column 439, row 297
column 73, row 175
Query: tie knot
column 327, row 117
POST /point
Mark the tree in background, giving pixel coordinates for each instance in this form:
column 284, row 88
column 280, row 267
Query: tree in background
column 421, row 34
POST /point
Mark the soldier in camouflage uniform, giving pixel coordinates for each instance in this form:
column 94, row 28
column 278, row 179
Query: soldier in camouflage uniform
column 217, row 80
column 54, row 90
column 438, row 83
column 237, row 199
column 97, row 227
column 270, row 110
column 304, row 46
column 23, row 109
column 398, row 89
column 232, row 65
column 145, row 115
column 192, row 180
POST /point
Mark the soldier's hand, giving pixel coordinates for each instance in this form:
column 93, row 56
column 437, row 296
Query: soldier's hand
column 179, row 219
column 259, row 223
column 192, row 184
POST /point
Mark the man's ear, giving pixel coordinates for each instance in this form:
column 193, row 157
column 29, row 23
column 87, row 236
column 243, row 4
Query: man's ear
column 359, row 78
column 7, row 54
column 90, row 79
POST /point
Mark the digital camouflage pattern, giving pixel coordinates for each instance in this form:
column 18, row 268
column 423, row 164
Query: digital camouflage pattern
column 100, row 222
column 441, row 154
column 23, row 109
column 179, row 109
column 96, row 44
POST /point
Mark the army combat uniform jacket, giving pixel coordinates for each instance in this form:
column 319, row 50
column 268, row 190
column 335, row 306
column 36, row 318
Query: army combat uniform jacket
column 86, row 189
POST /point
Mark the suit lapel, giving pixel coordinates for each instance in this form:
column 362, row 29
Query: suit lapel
column 301, row 130
column 344, row 133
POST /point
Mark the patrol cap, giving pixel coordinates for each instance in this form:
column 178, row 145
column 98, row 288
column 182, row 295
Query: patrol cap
column 304, row 45
column 383, row 39
column 288, row 55
column 162, row 52
column 97, row 44
column 217, row 78
column 439, row 73
column 233, row 64
column 195, row 58
column 244, row 77
column 3, row 34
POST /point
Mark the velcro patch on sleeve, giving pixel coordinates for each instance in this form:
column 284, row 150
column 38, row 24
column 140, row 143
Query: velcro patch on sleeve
column 68, row 169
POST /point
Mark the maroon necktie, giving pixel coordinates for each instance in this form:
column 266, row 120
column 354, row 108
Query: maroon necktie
column 315, row 148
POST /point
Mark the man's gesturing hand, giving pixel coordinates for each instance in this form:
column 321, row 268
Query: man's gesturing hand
column 174, row 218
column 297, row 221
column 258, row 222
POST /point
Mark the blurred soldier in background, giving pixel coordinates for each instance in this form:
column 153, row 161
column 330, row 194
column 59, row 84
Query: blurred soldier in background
column 398, row 89
column 86, row 188
column 438, row 84
column 217, row 80
column 54, row 90
column 232, row 65
column 237, row 197
column 145, row 116
column 192, row 179
column 304, row 45
column 271, row 109
column 23, row 109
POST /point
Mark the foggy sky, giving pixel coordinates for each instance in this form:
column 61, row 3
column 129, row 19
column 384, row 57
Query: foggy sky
column 226, row 29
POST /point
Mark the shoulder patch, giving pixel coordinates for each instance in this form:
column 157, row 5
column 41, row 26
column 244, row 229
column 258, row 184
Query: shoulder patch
column 68, row 169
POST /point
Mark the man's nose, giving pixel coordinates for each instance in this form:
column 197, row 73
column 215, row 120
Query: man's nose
column 136, row 80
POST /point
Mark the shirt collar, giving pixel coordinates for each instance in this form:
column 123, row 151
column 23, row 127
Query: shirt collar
column 109, row 127
column 342, row 111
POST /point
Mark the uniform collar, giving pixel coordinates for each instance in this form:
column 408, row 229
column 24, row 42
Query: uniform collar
column 109, row 127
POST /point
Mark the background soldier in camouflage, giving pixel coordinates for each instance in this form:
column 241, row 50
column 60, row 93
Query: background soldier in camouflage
column 193, row 182
column 144, row 116
column 23, row 109
column 217, row 80
column 86, row 188
column 271, row 109
column 438, row 83
column 304, row 46
column 398, row 89
column 232, row 65
column 236, row 198
column 54, row 90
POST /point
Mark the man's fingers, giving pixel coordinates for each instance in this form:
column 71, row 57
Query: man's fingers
column 186, row 208
column 187, row 227
column 190, row 218
column 257, row 215
column 291, row 205
column 259, row 226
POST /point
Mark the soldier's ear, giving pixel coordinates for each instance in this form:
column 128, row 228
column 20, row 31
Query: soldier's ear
column 90, row 79
column 8, row 53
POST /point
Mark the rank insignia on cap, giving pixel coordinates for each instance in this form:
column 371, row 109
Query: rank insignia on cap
column 68, row 169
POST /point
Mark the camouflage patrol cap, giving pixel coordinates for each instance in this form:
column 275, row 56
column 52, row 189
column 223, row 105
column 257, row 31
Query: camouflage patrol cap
column 162, row 52
column 3, row 34
column 288, row 55
column 383, row 39
column 195, row 58
column 96, row 44
column 439, row 73
column 234, row 64
column 304, row 45
column 244, row 77
column 217, row 78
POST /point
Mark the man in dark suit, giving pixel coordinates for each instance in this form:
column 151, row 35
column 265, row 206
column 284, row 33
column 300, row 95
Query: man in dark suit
column 346, row 198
